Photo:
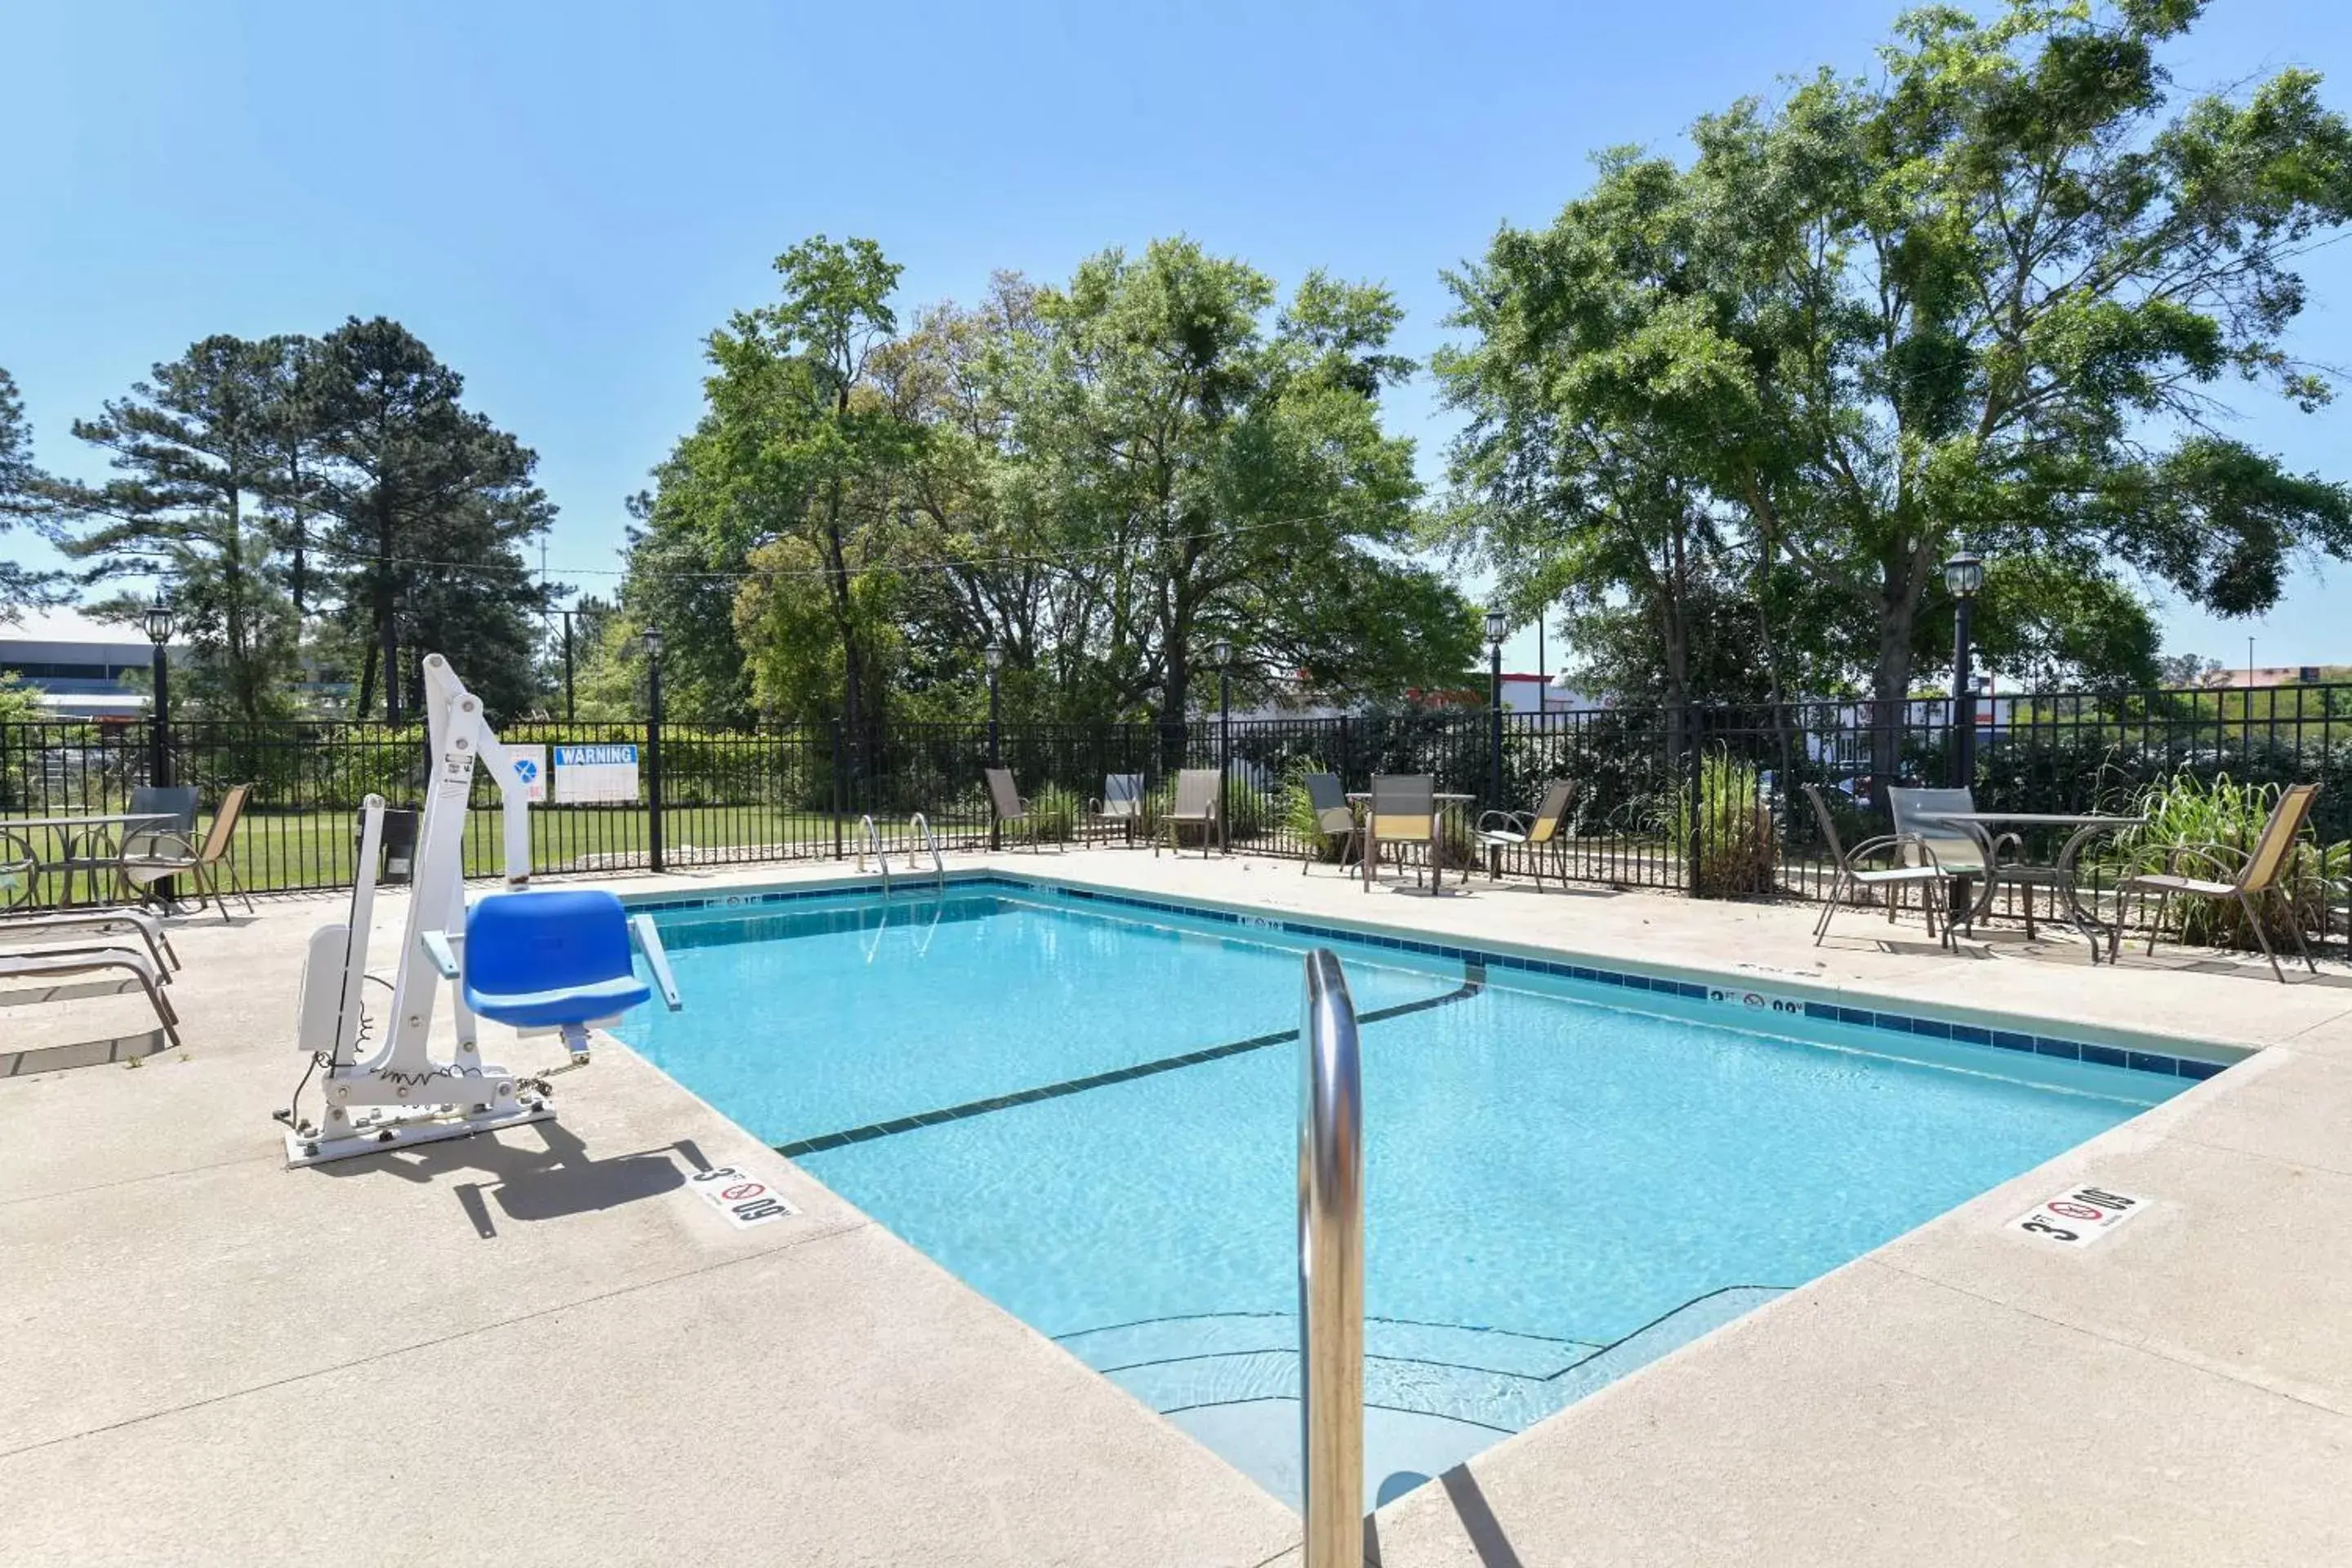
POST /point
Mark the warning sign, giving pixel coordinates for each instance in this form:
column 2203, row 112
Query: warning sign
column 596, row 774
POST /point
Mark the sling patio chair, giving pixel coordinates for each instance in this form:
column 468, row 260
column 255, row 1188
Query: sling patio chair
column 1195, row 806
column 1404, row 811
column 1121, row 806
column 1543, row 833
column 151, row 856
column 1327, row 797
column 1009, row 809
column 60, row 973
column 1963, row 852
column 97, row 853
column 1914, row 865
column 2260, row 874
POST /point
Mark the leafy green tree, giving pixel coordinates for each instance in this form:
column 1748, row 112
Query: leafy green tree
column 26, row 497
column 427, row 507
column 1987, row 298
column 1222, row 476
column 191, row 447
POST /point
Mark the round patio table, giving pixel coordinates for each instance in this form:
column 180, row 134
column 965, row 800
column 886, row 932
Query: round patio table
column 64, row 827
column 2087, row 826
column 1442, row 801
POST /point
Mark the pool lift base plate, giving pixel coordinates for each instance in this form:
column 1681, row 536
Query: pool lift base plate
column 388, row 1129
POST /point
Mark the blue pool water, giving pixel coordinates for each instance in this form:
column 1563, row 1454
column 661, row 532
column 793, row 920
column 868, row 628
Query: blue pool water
column 1089, row 1113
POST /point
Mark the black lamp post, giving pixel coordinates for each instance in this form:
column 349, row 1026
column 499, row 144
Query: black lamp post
column 652, row 639
column 160, row 625
column 1498, row 625
column 994, row 657
column 1223, row 653
column 1964, row 575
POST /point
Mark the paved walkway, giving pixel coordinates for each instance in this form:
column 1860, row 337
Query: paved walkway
column 551, row 1352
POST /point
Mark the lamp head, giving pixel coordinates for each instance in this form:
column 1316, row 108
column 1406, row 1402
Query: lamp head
column 1499, row 625
column 653, row 640
column 994, row 657
column 1964, row 574
column 1222, row 655
column 160, row 620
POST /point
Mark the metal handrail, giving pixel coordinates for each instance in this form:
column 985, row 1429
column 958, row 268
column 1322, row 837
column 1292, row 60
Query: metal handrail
column 922, row 826
column 873, row 835
column 1331, row 1269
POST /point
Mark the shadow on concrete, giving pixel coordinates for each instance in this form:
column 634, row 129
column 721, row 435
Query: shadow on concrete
column 127, row 1050
column 556, row 1180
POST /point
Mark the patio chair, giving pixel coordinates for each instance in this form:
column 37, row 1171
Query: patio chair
column 1542, row 832
column 1327, row 797
column 1961, row 853
column 1195, row 806
column 1121, row 805
column 1916, row 865
column 2260, row 874
column 71, row 972
column 40, row 926
column 1008, row 807
column 99, row 853
column 1404, row 811
column 151, row 856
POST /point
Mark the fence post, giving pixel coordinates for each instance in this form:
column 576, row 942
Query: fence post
column 833, row 773
column 653, row 764
column 1694, row 781
column 1347, row 752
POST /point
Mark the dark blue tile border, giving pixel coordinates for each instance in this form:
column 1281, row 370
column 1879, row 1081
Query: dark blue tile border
column 2157, row 1062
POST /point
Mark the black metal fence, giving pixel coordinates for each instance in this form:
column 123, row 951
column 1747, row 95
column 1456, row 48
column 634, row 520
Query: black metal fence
column 1703, row 800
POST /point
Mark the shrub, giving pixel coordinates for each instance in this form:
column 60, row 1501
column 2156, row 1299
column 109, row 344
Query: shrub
column 1056, row 811
column 2186, row 811
column 1732, row 825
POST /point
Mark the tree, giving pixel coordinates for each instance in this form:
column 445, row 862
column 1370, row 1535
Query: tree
column 428, row 506
column 25, row 498
column 192, row 446
column 1222, row 480
column 1984, row 298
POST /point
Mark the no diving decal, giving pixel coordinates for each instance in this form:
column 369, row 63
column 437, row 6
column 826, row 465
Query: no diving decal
column 744, row 1199
column 2078, row 1217
column 1754, row 1001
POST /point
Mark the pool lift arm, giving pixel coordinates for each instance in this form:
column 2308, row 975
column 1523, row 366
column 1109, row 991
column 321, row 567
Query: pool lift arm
column 398, row 1094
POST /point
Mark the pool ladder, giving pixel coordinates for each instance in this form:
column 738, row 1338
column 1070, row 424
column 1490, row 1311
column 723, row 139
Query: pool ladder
column 920, row 827
column 1331, row 1267
column 869, row 838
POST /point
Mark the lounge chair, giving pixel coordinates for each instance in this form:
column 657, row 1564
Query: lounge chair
column 1543, row 832
column 1327, row 797
column 1960, row 852
column 2260, row 874
column 86, row 972
column 1009, row 809
column 1914, row 865
column 42, row 926
column 151, row 856
column 1195, row 806
column 20, row 872
column 1404, row 811
column 1121, row 805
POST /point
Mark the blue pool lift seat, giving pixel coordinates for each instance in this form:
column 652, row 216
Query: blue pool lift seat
column 556, row 960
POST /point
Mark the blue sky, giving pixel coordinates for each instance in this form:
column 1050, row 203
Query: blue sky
column 563, row 200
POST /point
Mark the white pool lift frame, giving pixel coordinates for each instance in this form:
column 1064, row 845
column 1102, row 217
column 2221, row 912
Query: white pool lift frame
column 397, row 1095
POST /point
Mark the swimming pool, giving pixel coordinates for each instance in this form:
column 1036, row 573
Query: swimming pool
column 1086, row 1107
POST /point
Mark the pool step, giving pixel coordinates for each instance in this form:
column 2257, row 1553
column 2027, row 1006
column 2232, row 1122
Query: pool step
column 1494, row 1379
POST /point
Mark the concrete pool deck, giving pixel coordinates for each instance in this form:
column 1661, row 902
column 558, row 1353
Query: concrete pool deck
column 553, row 1352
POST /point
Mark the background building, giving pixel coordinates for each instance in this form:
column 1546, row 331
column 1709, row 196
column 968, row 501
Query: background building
column 78, row 665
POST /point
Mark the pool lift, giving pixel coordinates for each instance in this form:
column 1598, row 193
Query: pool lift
column 546, row 963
